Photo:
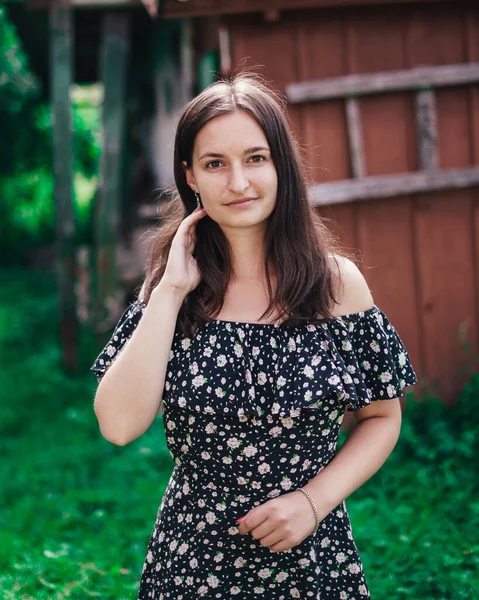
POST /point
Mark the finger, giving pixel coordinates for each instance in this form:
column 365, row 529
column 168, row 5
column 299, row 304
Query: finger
column 272, row 539
column 194, row 217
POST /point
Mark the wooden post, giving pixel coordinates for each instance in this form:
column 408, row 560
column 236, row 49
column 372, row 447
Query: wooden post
column 355, row 137
column 113, row 65
column 426, row 130
column 61, row 79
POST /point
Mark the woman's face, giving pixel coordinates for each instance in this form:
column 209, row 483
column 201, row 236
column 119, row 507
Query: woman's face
column 231, row 162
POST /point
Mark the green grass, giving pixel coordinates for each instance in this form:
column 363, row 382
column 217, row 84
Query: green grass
column 76, row 512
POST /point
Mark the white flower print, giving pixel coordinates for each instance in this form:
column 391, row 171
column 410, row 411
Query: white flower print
column 251, row 413
column 234, row 442
column 325, row 542
column 303, row 562
column 309, row 372
column 385, row 376
column 194, row 368
column 110, row 350
column 210, row 517
column 275, row 431
column 199, row 381
column 362, row 590
column 264, row 573
column 262, row 378
column 391, row 391
column 250, row 451
column 239, row 562
column 354, row 568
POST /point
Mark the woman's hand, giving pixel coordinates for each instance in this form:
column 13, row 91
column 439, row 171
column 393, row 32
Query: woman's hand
column 281, row 523
column 181, row 273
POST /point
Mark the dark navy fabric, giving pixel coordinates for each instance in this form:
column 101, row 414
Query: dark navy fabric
column 252, row 411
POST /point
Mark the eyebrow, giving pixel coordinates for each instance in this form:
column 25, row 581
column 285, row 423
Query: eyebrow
column 247, row 151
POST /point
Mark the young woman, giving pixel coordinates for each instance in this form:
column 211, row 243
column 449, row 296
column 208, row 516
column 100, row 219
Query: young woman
column 252, row 336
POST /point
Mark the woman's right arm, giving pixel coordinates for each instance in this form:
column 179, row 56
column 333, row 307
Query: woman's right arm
column 129, row 394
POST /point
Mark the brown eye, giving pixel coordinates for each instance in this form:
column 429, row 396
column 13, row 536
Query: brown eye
column 213, row 162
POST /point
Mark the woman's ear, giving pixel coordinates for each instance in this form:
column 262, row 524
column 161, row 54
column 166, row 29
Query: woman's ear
column 190, row 180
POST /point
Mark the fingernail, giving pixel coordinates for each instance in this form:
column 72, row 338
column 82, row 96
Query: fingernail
column 239, row 520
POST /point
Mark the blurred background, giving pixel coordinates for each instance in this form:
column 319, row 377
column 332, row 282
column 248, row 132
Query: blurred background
column 383, row 97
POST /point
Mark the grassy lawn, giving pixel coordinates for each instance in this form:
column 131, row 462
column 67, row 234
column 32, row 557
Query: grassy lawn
column 76, row 512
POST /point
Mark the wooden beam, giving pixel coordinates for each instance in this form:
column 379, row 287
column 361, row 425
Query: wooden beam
column 379, row 83
column 426, row 130
column 113, row 67
column 61, row 61
column 174, row 9
column 372, row 188
column 80, row 4
column 355, row 137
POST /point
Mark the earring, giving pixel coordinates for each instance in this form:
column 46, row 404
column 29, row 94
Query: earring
column 198, row 200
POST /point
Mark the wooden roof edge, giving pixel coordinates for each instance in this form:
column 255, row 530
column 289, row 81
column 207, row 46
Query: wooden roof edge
column 172, row 9
column 150, row 5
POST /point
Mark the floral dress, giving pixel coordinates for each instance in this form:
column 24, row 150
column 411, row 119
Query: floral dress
column 252, row 411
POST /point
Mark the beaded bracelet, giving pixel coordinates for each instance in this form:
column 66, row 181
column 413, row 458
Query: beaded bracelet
column 313, row 504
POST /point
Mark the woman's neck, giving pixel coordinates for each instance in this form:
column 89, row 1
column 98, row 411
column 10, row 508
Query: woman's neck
column 247, row 254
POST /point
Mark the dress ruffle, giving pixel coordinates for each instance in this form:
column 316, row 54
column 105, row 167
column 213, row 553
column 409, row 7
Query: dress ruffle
column 350, row 361
column 123, row 331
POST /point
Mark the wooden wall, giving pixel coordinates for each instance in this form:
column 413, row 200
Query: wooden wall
column 420, row 254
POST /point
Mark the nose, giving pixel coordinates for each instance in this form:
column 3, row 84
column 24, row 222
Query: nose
column 238, row 181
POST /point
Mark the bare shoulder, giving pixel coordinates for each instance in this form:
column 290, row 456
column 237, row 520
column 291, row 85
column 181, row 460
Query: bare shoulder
column 350, row 287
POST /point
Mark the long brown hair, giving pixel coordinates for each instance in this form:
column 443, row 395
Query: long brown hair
column 298, row 245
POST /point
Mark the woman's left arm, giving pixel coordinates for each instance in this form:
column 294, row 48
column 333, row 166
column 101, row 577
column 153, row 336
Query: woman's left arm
column 363, row 453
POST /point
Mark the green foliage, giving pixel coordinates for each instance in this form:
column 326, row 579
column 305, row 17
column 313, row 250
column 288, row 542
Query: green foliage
column 27, row 209
column 77, row 511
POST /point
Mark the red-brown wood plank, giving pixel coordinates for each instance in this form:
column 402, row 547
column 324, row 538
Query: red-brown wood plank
column 341, row 220
column 435, row 36
column 268, row 49
column 321, row 53
column 385, row 238
column 454, row 128
column 376, row 43
column 443, row 229
column 445, row 253
column 472, row 45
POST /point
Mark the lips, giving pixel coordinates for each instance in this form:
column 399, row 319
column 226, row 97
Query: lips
column 240, row 201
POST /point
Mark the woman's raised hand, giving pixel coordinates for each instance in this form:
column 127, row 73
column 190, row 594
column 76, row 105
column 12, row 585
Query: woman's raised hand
column 181, row 273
